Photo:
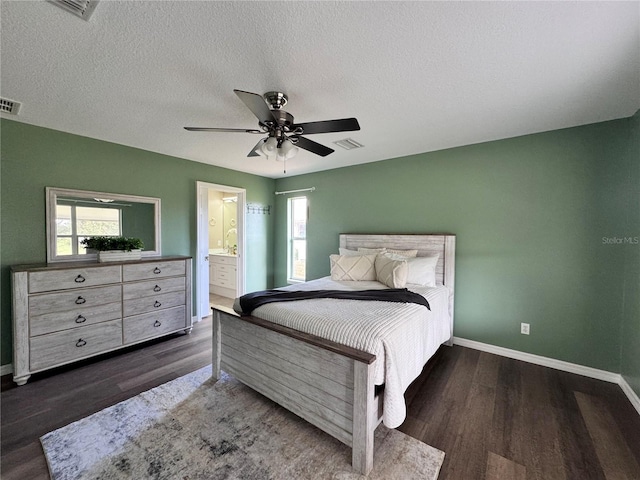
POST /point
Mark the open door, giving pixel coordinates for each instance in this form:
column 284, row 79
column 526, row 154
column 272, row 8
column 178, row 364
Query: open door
column 211, row 248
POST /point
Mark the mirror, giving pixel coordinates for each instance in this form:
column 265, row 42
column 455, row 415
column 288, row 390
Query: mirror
column 223, row 212
column 76, row 214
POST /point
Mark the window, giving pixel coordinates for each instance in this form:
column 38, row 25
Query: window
column 297, row 236
column 73, row 223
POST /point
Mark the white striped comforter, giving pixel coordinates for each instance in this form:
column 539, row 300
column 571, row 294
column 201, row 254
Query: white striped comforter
column 401, row 336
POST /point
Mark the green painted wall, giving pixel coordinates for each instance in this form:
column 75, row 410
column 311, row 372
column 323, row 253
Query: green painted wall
column 137, row 221
column 34, row 158
column 630, row 341
column 529, row 213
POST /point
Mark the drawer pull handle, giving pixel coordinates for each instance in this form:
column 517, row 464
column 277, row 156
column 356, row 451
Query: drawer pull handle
column 157, row 323
column 157, row 304
column 80, row 319
column 157, row 288
column 81, row 343
column 79, row 279
column 80, row 300
column 156, row 270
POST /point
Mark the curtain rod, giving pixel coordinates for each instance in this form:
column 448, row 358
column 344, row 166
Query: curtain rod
column 312, row 189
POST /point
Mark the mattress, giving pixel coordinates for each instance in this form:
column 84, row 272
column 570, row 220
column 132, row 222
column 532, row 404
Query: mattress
column 401, row 336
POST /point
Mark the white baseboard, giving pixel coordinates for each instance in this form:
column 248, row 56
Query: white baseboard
column 557, row 364
column 6, row 369
column 631, row 395
column 539, row 360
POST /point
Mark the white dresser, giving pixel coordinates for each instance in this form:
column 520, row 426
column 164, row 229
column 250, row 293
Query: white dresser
column 67, row 312
column 222, row 275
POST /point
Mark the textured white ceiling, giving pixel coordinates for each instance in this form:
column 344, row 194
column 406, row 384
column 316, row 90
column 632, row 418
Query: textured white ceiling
column 419, row 76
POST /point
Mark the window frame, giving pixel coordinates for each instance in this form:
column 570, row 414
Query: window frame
column 292, row 237
column 75, row 236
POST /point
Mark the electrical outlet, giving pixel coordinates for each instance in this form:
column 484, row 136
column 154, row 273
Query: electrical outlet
column 524, row 328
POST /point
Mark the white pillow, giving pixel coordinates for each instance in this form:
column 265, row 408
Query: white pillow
column 353, row 267
column 422, row 270
column 391, row 272
column 404, row 253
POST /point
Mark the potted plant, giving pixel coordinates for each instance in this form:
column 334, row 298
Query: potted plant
column 114, row 249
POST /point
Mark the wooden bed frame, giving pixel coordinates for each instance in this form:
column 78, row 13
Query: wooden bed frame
column 327, row 384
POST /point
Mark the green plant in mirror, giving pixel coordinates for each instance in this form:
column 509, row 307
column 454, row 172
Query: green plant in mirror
column 102, row 243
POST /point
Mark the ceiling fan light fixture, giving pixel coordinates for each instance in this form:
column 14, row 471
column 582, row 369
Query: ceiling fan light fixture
column 293, row 152
column 270, row 146
column 288, row 149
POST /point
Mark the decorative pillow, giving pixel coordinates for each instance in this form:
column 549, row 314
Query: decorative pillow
column 404, row 253
column 422, row 270
column 391, row 272
column 371, row 250
column 353, row 267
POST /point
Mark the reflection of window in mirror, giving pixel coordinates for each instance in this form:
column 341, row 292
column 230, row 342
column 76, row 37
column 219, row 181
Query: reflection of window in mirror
column 74, row 223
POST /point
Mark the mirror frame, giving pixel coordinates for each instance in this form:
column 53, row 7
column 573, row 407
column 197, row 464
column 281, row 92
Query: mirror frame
column 51, row 200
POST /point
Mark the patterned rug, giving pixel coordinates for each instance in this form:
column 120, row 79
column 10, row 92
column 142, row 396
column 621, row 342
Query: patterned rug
column 194, row 428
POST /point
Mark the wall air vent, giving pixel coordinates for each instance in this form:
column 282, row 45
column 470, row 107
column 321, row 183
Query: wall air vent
column 348, row 144
column 9, row 106
column 81, row 8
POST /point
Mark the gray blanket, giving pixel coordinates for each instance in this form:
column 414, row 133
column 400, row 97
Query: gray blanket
column 251, row 301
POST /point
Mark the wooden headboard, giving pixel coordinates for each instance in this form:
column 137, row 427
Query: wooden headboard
column 443, row 244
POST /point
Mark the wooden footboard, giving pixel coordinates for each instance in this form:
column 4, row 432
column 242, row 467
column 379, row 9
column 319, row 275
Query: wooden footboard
column 329, row 385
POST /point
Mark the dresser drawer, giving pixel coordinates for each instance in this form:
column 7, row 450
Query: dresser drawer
column 222, row 260
column 154, row 324
column 225, row 283
column 224, row 276
column 72, row 300
column 153, row 287
column 226, row 268
column 63, row 347
column 78, row 317
column 153, row 304
column 152, row 270
column 73, row 278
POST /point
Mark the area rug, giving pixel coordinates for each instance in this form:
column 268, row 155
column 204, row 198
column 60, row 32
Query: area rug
column 195, row 428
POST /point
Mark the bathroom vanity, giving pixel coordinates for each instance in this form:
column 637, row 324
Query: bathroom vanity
column 222, row 274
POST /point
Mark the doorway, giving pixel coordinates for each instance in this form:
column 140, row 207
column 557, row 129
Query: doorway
column 221, row 244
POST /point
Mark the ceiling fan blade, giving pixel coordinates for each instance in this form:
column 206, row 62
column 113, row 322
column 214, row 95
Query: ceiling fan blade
column 328, row 126
column 254, row 151
column 206, row 129
column 312, row 146
column 257, row 105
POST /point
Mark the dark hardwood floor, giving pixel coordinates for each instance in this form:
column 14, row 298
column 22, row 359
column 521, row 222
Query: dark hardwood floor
column 495, row 418
column 498, row 418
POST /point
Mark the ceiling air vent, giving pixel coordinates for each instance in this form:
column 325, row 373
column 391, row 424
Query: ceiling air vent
column 348, row 144
column 81, row 8
column 9, row 106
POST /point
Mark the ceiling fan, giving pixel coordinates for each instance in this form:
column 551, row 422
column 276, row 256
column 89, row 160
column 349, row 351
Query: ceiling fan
column 284, row 137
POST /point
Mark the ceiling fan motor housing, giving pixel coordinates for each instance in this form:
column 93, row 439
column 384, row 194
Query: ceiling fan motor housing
column 284, row 119
column 283, row 123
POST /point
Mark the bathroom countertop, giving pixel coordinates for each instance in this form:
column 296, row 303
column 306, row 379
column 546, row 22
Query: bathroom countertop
column 221, row 253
